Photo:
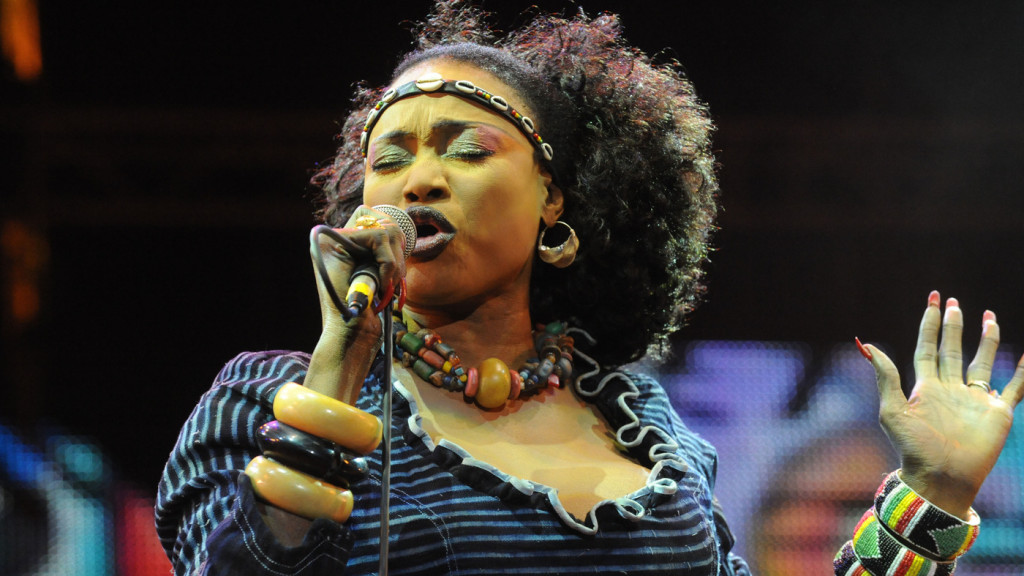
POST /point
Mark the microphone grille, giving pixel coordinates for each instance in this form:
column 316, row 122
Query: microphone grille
column 404, row 222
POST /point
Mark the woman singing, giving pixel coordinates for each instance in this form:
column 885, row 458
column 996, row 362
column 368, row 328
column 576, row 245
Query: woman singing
column 562, row 189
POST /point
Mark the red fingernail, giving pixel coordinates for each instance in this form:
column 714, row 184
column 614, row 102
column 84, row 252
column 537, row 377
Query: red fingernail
column 952, row 303
column 401, row 296
column 988, row 316
column 933, row 298
column 864, row 351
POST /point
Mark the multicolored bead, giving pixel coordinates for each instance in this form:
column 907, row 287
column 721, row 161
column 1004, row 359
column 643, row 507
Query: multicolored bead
column 493, row 383
column 434, row 82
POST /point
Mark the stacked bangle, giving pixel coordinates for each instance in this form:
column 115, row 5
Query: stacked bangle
column 309, row 454
column 328, row 418
column 922, row 525
column 879, row 552
column 306, row 463
column 846, row 562
column 905, row 535
column 296, row 492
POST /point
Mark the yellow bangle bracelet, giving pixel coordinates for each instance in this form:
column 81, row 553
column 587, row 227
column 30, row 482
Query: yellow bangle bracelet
column 296, row 492
column 323, row 416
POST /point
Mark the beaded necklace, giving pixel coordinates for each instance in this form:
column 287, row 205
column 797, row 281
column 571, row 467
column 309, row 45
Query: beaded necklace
column 493, row 383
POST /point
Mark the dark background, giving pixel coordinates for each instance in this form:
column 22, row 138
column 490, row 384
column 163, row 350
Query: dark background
column 869, row 153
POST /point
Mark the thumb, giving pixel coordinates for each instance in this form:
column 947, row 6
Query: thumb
column 890, row 392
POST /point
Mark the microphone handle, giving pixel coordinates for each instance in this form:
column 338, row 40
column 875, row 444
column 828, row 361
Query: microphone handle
column 362, row 287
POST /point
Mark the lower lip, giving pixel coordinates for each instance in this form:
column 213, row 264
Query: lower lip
column 429, row 247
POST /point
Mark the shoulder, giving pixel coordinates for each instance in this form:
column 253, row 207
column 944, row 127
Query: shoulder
column 245, row 387
column 264, row 367
column 658, row 408
column 691, row 441
column 637, row 407
column 226, row 417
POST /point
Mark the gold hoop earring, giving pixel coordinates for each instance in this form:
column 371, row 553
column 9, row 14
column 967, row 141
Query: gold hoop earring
column 562, row 255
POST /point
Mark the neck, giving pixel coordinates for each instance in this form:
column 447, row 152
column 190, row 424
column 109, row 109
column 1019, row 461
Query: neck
column 497, row 328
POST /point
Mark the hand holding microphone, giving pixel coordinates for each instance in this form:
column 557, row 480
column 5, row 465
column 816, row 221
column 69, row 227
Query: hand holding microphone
column 309, row 456
column 365, row 281
column 327, row 429
column 370, row 245
column 369, row 252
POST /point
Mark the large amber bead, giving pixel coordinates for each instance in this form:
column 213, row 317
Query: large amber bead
column 495, row 384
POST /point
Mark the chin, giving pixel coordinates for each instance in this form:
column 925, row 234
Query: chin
column 427, row 284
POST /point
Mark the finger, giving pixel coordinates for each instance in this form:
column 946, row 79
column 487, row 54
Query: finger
column 926, row 352
column 396, row 244
column 386, row 243
column 398, row 232
column 332, row 267
column 951, row 357
column 387, row 251
column 1013, row 393
column 890, row 392
column 397, row 239
column 981, row 367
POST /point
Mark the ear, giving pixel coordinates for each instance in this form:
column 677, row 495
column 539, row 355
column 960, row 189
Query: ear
column 553, row 201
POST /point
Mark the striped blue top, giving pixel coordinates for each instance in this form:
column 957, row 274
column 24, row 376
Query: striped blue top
column 450, row 513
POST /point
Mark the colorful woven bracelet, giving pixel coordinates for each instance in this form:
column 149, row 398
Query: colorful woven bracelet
column 846, row 563
column 879, row 553
column 920, row 524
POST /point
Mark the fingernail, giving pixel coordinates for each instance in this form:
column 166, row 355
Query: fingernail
column 933, row 298
column 863, row 351
column 952, row 303
column 988, row 316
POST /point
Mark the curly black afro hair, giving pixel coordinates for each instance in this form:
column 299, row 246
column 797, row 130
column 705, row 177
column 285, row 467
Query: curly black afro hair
column 632, row 157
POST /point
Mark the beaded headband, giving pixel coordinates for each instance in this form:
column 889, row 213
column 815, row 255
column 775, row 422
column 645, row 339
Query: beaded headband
column 433, row 82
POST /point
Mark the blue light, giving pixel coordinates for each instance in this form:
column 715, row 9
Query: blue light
column 21, row 463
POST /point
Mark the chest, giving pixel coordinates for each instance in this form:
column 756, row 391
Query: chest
column 451, row 514
column 462, row 520
column 551, row 439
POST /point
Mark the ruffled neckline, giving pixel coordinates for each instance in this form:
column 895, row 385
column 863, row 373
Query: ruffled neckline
column 614, row 393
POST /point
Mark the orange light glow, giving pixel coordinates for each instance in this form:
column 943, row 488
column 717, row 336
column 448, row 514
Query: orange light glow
column 19, row 29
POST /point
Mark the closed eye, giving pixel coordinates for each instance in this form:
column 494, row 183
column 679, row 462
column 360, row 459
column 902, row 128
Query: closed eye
column 465, row 153
column 469, row 143
column 389, row 159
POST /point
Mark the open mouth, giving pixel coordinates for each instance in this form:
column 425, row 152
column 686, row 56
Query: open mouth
column 433, row 232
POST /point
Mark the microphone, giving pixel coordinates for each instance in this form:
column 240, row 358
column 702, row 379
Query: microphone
column 404, row 222
column 365, row 278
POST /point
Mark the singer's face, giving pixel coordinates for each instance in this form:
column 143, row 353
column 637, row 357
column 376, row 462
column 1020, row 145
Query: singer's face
column 469, row 180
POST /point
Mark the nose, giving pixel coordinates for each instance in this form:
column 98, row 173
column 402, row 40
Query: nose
column 426, row 181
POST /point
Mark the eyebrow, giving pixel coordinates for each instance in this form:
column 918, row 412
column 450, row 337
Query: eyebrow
column 444, row 125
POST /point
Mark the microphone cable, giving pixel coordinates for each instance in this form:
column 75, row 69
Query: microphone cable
column 348, row 312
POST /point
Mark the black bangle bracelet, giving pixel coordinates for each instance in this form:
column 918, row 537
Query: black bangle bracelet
column 310, row 454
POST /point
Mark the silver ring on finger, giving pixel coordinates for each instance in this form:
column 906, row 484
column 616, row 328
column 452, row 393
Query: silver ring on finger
column 980, row 384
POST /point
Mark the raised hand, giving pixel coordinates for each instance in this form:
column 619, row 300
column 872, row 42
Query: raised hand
column 950, row 431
